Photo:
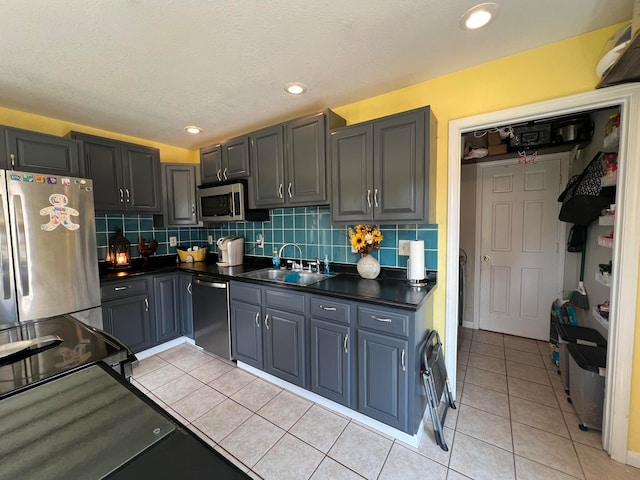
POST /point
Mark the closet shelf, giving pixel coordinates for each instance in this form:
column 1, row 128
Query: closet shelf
column 599, row 318
column 603, row 280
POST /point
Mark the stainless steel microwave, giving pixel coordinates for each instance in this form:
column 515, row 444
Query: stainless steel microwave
column 227, row 202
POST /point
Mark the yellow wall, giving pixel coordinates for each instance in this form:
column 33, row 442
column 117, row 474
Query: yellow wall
column 552, row 71
column 60, row 128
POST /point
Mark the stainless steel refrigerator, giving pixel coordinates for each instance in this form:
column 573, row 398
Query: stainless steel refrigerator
column 48, row 255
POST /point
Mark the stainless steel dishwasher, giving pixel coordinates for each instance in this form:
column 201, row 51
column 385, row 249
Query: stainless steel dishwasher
column 211, row 325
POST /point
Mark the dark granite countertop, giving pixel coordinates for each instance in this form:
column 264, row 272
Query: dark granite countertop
column 389, row 289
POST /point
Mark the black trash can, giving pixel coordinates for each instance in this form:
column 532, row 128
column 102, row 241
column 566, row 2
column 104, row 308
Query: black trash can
column 574, row 334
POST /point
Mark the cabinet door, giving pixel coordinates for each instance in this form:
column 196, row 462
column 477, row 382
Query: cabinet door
column 186, row 305
column 383, row 378
column 129, row 320
column 399, row 167
column 142, row 178
column 331, row 354
column 235, row 158
column 352, row 174
column 285, row 350
column 180, row 192
column 246, row 333
column 306, row 161
column 211, row 164
column 103, row 164
column 166, row 307
column 41, row 153
column 267, row 167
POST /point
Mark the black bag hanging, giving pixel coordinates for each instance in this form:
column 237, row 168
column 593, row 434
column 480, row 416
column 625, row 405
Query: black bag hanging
column 577, row 237
column 584, row 197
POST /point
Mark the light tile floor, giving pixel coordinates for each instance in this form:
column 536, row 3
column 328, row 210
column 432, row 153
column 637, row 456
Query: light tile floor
column 512, row 421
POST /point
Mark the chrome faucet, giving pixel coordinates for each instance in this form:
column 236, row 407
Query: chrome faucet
column 294, row 266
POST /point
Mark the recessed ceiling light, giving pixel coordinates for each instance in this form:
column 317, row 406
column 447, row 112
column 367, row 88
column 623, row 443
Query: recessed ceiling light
column 193, row 129
column 295, row 88
column 478, row 16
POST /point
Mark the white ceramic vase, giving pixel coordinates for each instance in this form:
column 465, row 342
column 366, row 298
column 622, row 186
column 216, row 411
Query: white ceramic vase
column 368, row 266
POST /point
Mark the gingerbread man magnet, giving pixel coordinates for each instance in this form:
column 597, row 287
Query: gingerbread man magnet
column 59, row 213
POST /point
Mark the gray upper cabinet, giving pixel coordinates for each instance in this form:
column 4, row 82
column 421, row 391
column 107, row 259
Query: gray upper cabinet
column 179, row 205
column 37, row 152
column 126, row 176
column 289, row 162
column 380, row 169
column 227, row 161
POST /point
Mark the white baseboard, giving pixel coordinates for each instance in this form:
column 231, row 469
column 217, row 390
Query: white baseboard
column 633, row 458
column 412, row 440
column 467, row 324
column 163, row 346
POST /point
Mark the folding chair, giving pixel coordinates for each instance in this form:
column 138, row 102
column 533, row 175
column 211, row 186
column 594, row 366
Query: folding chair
column 435, row 383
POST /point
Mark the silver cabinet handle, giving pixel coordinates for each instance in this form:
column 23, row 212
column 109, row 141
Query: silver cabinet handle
column 384, row 320
column 189, row 288
column 375, row 197
column 266, row 321
column 121, row 195
column 13, row 160
column 193, row 210
column 369, row 198
column 21, row 247
column 402, row 355
column 224, row 174
column 117, row 289
column 289, row 190
column 328, row 309
column 128, row 195
column 280, row 190
column 218, row 175
column 146, row 305
column 258, row 319
column 345, row 343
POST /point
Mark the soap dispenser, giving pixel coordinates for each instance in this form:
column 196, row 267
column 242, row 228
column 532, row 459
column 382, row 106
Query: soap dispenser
column 326, row 265
column 276, row 259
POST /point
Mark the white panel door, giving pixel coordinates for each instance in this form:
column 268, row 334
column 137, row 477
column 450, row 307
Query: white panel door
column 520, row 251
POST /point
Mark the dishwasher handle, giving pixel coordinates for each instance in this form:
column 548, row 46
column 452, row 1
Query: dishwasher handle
column 205, row 283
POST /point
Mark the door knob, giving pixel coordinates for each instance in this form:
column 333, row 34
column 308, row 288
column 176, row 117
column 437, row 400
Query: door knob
column 486, row 258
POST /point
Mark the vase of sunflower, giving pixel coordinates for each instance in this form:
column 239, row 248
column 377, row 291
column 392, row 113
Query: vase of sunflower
column 365, row 239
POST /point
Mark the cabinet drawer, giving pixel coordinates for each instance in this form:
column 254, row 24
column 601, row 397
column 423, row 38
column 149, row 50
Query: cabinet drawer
column 293, row 302
column 123, row 289
column 246, row 292
column 329, row 309
column 383, row 320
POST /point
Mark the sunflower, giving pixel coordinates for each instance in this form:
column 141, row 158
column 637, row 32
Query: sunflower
column 365, row 238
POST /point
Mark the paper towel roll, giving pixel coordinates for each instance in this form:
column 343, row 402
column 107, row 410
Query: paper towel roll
column 415, row 267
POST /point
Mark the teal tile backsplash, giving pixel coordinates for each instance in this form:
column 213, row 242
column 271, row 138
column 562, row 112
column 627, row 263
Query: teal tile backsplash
column 309, row 227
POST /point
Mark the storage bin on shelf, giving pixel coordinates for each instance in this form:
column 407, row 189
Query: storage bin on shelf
column 603, row 279
column 192, row 255
column 605, row 241
column 574, row 334
column 587, row 372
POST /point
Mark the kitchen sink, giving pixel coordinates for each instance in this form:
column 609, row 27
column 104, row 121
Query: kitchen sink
column 278, row 276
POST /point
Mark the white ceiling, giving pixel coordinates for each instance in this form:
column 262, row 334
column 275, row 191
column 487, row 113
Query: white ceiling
column 147, row 68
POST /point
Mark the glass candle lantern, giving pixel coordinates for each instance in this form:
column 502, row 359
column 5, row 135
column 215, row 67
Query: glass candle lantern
column 119, row 254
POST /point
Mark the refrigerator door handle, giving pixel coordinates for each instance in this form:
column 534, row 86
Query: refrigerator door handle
column 4, row 256
column 21, row 247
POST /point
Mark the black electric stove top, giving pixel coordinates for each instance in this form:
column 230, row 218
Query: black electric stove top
column 81, row 345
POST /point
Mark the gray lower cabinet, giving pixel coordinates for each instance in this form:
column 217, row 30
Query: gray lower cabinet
column 126, row 313
column 185, row 300
column 333, row 348
column 126, row 176
column 166, row 307
column 268, row 330
column 380, row 168
column 179, row 204
column 29, row 151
